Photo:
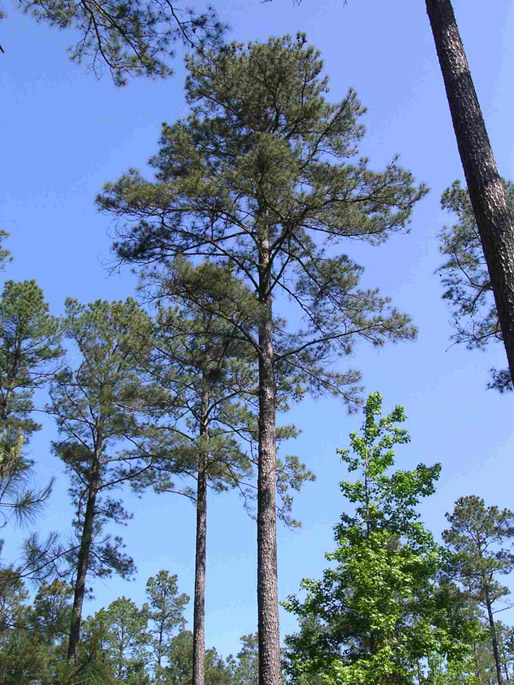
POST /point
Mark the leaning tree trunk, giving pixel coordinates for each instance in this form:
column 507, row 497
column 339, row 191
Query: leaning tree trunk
column 494, row 637
column 485, row 186
column 82, row 567
column 200, row 562
column 267, row 575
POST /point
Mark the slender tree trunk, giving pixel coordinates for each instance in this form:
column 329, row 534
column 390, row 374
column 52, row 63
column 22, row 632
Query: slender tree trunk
column 267, row 573
column 201, row 555
column 494, row 637
column 158, row 668
column 82, row 567
column 485, row 186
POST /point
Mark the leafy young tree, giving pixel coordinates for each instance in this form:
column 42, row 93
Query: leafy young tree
column 379, row 614
column 263, row 175
column 165, row 611
column 466, row 279
column 128, row 38
column 480, row 540
column 95, row 405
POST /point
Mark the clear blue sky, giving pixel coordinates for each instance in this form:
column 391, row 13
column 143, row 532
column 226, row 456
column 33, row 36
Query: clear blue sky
column 64, row 134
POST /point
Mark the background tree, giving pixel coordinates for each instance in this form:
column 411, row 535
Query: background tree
column 466, row 279
column 29, row 349
column 95, row 406
column 165, row 611
column 480, row 540
column 126, row 639
column 128, row 38
column 379, row 614
column 180, row 668
column 261, row 175
column 245, row 668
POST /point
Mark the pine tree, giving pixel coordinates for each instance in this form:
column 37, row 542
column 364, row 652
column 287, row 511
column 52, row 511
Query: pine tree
column 480, row 540
column 29, row 350
column 165, row 611
column 127, row 38
column 261, row 175
column 494, row 219
column 205, row 420
column 245, row 668
column 489, row 200
column 466, row 279
column 124, row 627
column 95, row 405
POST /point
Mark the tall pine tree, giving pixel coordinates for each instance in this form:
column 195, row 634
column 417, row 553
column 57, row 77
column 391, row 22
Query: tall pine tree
column 95, row 406
column 263, row 174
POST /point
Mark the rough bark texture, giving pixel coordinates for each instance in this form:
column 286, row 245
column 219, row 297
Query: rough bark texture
column 494, row 637
column 82, row 566
column 267, row 576
column 486, row 191
column 200, row 563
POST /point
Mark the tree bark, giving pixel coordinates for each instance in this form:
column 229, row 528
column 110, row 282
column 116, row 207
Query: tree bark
column 494, row 637
column 200, row 562
column 82, row 567
column 485, row 186
column 267, row 572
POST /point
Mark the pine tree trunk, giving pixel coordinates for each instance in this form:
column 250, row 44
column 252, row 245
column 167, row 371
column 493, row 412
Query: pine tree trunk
column 494, row 637
column 200, row 563
column 486, row 191
column 82, row 566
column 267, row 574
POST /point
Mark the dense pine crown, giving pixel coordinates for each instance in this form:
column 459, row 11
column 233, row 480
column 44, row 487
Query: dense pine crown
column 264, row 157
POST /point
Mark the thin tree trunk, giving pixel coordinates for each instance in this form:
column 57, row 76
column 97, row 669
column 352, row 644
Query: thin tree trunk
column 200, row 563
column 82, row 567
column 485, row 186
column 267, row 573
column 494, row 637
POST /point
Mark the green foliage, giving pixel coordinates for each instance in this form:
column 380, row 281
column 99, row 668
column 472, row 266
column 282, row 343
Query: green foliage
column 480, row 541
column 96, row 406
column 265, row 164
column 245, row 670
column 203, row 378
column 5, row 255
column 180, row 669
column 123, row 627
column 204, row 388
column 128, row 38
column 29, row 349
column 165, row 611
column 379, row 614
column 466, row 279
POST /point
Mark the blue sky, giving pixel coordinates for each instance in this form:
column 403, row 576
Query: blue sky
column 64, row 134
